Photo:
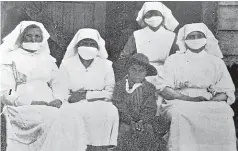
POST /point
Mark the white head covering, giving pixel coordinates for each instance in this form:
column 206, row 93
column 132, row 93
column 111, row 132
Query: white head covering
column 211, row 47
column 169, row 21
column 10, row 42
column 83, row 34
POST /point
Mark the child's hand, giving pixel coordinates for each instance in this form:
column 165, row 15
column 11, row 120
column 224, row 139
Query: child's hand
column 139, row 126
column 39, row 103
column 133, row 125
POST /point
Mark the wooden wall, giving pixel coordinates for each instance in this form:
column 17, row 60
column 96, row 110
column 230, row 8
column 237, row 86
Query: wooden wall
column 227, row 30
column 61, row 19
column 121, row 20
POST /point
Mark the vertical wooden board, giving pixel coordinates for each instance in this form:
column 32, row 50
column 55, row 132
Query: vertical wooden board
column 89, row 15
column 68, row 18
column 228, row 3
column 57, row 13
column 100, row 16
column 210, row 15
column 228, row 42
column 78, row 17
column 228, row 17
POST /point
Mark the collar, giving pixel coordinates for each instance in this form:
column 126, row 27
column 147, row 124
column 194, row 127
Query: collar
column 135, row 86
column 196, row 55
column 161, row 29
column 24, row 52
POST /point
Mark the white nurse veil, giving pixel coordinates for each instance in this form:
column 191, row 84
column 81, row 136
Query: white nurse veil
column 169, row 20
column 211, row 47
column 83, row 34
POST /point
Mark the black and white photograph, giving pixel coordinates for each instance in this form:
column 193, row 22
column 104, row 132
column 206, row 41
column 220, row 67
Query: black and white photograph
column 119, row 75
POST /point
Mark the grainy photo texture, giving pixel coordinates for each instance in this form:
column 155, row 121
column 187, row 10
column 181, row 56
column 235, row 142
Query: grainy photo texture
column 119, row 75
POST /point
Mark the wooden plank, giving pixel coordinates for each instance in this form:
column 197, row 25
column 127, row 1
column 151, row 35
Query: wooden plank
column 79, row 12
column 228, row 18
column 209, row 15
column 57, row 14
column 228, row 41
column 228, row 3
column 100, row 16
column 89, row 15
column 68, row 18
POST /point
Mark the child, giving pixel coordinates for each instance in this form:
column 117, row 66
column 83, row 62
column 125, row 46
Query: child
column 136, row 102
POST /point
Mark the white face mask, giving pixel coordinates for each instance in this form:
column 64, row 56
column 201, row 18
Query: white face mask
column 87, row 53
column 31, row 46
column 154, row 21
column 196, row 43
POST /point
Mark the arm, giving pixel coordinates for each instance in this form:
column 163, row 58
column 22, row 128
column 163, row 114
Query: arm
column 119, row 102
column 58, row 83
column 7, row 85
column 220, row 97
column 106, row 93
column 170, row 94
column 223, row 89
column 166, row 83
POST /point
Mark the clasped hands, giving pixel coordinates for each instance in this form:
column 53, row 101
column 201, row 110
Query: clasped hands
column 137, row 126
column 77, row 96
column 80, row 94
column 55, row 103
column 198, row 99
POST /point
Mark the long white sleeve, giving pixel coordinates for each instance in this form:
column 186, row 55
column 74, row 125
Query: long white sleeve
column 7, row 83
column 58, row 84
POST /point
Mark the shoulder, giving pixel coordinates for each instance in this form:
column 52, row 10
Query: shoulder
column 104, row 62
column 175, row 57
column 169, row 32
column 14, row 54
column 69, row 61
column 49, row 57
column 215, row 60
column 140, row 31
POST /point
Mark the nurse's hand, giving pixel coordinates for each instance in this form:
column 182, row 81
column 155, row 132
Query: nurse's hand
column 77, row 96
column 199, row 99
column 139, row 126
column 55, row 103
column 39, row 103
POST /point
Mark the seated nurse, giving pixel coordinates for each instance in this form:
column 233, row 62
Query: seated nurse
column 199, row 91
column 90, row 84
column 30, row 87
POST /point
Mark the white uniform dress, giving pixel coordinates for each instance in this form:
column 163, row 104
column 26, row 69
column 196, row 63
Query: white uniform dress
column 199, row 126
column 101, row 117
column 155, row 45
column 27, row 125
